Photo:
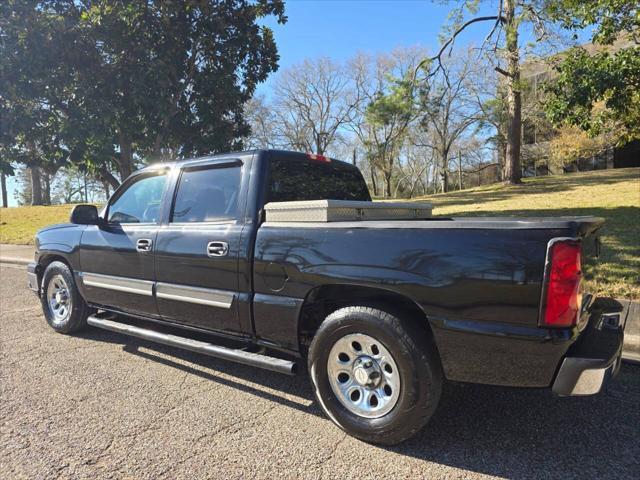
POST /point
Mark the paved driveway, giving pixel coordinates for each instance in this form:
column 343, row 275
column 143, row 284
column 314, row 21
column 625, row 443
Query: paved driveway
column 100, row 405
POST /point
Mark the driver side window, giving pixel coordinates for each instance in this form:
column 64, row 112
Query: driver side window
column 140, row 202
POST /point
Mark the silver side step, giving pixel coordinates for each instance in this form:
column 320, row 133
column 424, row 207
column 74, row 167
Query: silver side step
column 241, row 356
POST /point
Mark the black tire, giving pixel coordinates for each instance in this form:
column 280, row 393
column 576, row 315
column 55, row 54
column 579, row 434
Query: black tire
column 419, row 370
column 78, row 311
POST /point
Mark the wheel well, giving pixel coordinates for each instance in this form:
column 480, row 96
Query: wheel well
column 324, row 300
column 46, row 260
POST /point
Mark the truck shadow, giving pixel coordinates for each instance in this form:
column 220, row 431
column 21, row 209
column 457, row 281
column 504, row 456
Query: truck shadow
column 523, row 433
column 512, row 433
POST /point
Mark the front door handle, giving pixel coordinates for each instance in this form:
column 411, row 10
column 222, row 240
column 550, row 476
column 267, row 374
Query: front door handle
column 217, row 249
column 144, row 245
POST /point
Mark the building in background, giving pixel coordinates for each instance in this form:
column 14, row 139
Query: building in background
column 538, row 134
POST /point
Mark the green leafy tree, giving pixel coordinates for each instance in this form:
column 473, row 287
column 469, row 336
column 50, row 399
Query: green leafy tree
column 124, row 82
column 388, row 117
column 600, row 92
column 610, row 17
column 31, row 124
column 165, row 79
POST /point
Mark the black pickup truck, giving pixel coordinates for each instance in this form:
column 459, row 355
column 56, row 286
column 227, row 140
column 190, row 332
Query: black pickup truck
column 383, row 311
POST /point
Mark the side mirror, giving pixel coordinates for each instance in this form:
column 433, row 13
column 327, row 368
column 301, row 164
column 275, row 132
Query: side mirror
column 84, row 215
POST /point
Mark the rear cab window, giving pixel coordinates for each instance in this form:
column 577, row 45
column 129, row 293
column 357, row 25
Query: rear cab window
column 293, row 179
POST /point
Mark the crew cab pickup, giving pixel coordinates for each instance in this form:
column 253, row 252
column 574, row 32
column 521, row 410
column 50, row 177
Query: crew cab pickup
column 382, row 311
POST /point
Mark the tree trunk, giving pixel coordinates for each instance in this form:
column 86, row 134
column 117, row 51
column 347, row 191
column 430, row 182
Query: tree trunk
column 444, row 180
column 107, row 190
column 387, row 184
column 3, row 185
column 107, row 176
column 459, row 171
column 36, row 186
column 320, row 143
column 512, row 172
column 46, row 188
column 373, row 180
column 434, row 178
column 125, row 162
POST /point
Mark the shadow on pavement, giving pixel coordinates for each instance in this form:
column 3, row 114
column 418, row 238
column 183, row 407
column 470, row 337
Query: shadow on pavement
column 512, row 433
column 517, row 433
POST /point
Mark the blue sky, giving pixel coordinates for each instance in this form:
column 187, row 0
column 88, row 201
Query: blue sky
column 341, row 28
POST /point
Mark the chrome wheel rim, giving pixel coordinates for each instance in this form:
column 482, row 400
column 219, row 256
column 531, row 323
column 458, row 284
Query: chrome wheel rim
column 363, row 375
column 59, row 299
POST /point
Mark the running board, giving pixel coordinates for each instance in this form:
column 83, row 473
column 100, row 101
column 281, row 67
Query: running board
column 241, row 356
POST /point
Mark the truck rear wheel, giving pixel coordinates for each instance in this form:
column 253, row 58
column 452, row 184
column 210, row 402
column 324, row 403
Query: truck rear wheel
column 375, row 374
column 64, row 308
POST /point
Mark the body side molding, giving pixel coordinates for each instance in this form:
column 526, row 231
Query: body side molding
column 120, row 284
column 201, row 296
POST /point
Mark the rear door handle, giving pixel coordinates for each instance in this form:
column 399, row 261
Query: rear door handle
column 217, row 249
column 144, row 245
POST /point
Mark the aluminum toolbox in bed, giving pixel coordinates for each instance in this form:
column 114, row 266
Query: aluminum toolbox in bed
column 345, row 210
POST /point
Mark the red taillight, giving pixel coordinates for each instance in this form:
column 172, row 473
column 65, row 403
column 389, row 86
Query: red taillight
column 318, row 158
column 563, row 298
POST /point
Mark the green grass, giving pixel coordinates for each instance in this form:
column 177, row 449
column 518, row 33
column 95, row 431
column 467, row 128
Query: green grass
column 612, row 194
column 18, row 225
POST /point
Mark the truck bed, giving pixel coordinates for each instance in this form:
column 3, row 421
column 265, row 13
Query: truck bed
column 478, row 280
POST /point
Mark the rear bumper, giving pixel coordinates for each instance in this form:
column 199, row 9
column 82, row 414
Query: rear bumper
column 32, row 277
column 595, row 357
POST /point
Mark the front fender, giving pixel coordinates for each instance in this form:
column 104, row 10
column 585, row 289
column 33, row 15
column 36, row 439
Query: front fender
column 59, row 242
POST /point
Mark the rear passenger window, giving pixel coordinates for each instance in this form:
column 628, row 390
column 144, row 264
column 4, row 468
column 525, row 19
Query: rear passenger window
column 207, row 195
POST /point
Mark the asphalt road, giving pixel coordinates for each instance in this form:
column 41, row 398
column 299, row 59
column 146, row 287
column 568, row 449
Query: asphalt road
column 101, row 405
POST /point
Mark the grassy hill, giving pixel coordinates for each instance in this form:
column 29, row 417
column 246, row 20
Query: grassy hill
column 18, row 225
column 612, row 194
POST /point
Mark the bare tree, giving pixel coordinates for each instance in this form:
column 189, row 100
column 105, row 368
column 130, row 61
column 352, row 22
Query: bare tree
column 502, row 48
column 415, row 165
column 261, row 119
column 474, row 158
column 449, row 108
column 313, row 102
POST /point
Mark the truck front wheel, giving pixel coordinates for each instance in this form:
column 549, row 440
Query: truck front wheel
column 377, row 375
column 63, row 306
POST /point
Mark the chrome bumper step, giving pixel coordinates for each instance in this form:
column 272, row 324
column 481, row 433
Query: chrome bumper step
column 274, row 364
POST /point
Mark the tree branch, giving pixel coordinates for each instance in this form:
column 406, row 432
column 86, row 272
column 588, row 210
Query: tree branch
column 438, row 56
column 503, row 72
column 499, row 20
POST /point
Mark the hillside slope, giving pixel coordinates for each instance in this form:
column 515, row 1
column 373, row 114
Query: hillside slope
column 18, row 225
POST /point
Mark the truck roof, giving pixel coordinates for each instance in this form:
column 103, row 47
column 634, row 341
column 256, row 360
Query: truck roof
column 290, row 155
